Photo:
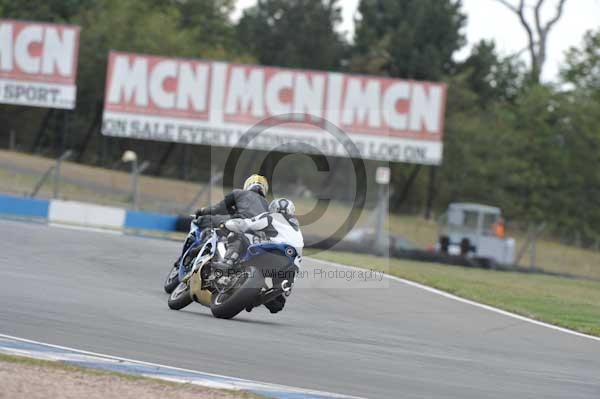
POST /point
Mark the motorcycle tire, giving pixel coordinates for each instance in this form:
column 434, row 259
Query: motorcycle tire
column 180, row 297
column 172, row 280
column 227, row 305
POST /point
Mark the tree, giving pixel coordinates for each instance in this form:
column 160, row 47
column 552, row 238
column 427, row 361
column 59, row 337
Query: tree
column 507, row 155
column 293, row 33
column 491, row 77
column 537, row 32
column 478, row 146
column 408, row 38
column 582, row 68
column 207, row 24
column 581, row 132
column 59, row 11
column 185, row 28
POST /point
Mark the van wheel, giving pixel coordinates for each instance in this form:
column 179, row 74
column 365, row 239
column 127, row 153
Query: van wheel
column 444, row 244
column 465, row 246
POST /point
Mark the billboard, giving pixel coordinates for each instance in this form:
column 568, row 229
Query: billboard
column 215, row 103
column 38, row 64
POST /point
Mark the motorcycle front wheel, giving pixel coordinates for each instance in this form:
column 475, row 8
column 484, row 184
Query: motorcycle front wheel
column 180, row 297
column 172, row 280
column 227, row 304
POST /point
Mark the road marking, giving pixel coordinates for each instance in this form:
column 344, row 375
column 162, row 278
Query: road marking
column 467, row 301
column 460, row 299
column 39, row 350
column 85, row 228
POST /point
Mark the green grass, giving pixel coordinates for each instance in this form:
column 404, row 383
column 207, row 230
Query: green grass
column 93, row 372
column 22, row 184
column 565, row 302
column 156, row 192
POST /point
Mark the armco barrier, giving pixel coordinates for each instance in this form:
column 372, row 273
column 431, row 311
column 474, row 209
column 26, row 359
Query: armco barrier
column 26, row 207
column 85, row 214
column 150, row 221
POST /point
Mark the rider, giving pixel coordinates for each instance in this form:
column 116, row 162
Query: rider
column 245, row 203
column 279, row 225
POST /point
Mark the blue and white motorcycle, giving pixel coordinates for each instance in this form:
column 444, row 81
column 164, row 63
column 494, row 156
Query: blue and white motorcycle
column 266, row 271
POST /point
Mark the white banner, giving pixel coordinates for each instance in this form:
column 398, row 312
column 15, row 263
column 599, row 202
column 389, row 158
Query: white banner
column 38, row 64
column 215, row 103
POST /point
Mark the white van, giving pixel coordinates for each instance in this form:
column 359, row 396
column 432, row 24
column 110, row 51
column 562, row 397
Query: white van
column 476, row 231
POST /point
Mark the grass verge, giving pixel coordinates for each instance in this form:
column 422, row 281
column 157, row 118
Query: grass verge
column 167, row 195
column 569, row 303
column 57, row 365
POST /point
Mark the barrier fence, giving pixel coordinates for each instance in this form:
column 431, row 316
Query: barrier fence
column 85, row 214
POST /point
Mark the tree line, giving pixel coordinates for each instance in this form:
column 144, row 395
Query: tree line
column 511, row 140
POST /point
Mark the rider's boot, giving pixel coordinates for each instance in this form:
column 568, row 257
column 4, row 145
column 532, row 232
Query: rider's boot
column 276, row 305
column 226, row 267
column 230, row 260
column 235, row 246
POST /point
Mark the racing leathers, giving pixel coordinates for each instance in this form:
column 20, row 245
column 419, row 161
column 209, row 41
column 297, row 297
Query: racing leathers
column 237, row 204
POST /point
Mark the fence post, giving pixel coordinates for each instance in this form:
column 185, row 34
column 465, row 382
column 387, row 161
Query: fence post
column 532, row 253
column 12, row 140
column 57, row 175
column 137, row 171
column 430, row 192
column 578, row 243
column 382, row 178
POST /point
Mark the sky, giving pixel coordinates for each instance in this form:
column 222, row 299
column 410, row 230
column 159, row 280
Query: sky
column 487, row 19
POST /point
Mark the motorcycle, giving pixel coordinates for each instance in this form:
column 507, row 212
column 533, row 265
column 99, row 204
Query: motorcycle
column 266, row 271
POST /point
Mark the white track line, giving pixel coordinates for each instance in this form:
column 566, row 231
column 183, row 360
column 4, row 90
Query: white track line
column 469, row 302
column 85, row 228
column 242, row 384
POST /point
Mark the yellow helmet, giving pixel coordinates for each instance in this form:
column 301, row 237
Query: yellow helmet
column 257, row 183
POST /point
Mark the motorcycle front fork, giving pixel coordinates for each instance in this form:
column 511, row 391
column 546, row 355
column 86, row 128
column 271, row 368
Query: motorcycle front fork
column 194, row 235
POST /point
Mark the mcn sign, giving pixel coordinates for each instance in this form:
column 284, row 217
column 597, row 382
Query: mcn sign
column 213, row 103
column 38, row 64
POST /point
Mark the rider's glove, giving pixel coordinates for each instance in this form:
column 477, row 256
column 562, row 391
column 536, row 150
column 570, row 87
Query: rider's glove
column 200, row 212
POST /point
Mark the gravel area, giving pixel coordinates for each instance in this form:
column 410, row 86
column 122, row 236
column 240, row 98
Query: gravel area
column 31, row 381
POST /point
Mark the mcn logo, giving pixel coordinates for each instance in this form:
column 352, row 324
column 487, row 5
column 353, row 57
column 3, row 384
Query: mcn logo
column 248, row 94
column 38, row 63
column 216, row 103
column 38, row 50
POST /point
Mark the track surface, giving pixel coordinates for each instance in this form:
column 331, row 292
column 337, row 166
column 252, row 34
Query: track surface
column 103, row 293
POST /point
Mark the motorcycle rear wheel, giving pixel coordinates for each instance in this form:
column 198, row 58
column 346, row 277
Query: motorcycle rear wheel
column 180, row 297
column 228, row 304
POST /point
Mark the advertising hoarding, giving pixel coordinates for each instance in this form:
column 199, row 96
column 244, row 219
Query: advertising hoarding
column 215, row 103
column 38, row 64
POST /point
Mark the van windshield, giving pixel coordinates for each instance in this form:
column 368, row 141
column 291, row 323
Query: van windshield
column 471, row 219
column 489, row 220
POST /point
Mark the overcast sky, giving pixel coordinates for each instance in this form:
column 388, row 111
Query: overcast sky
column 487, row 19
